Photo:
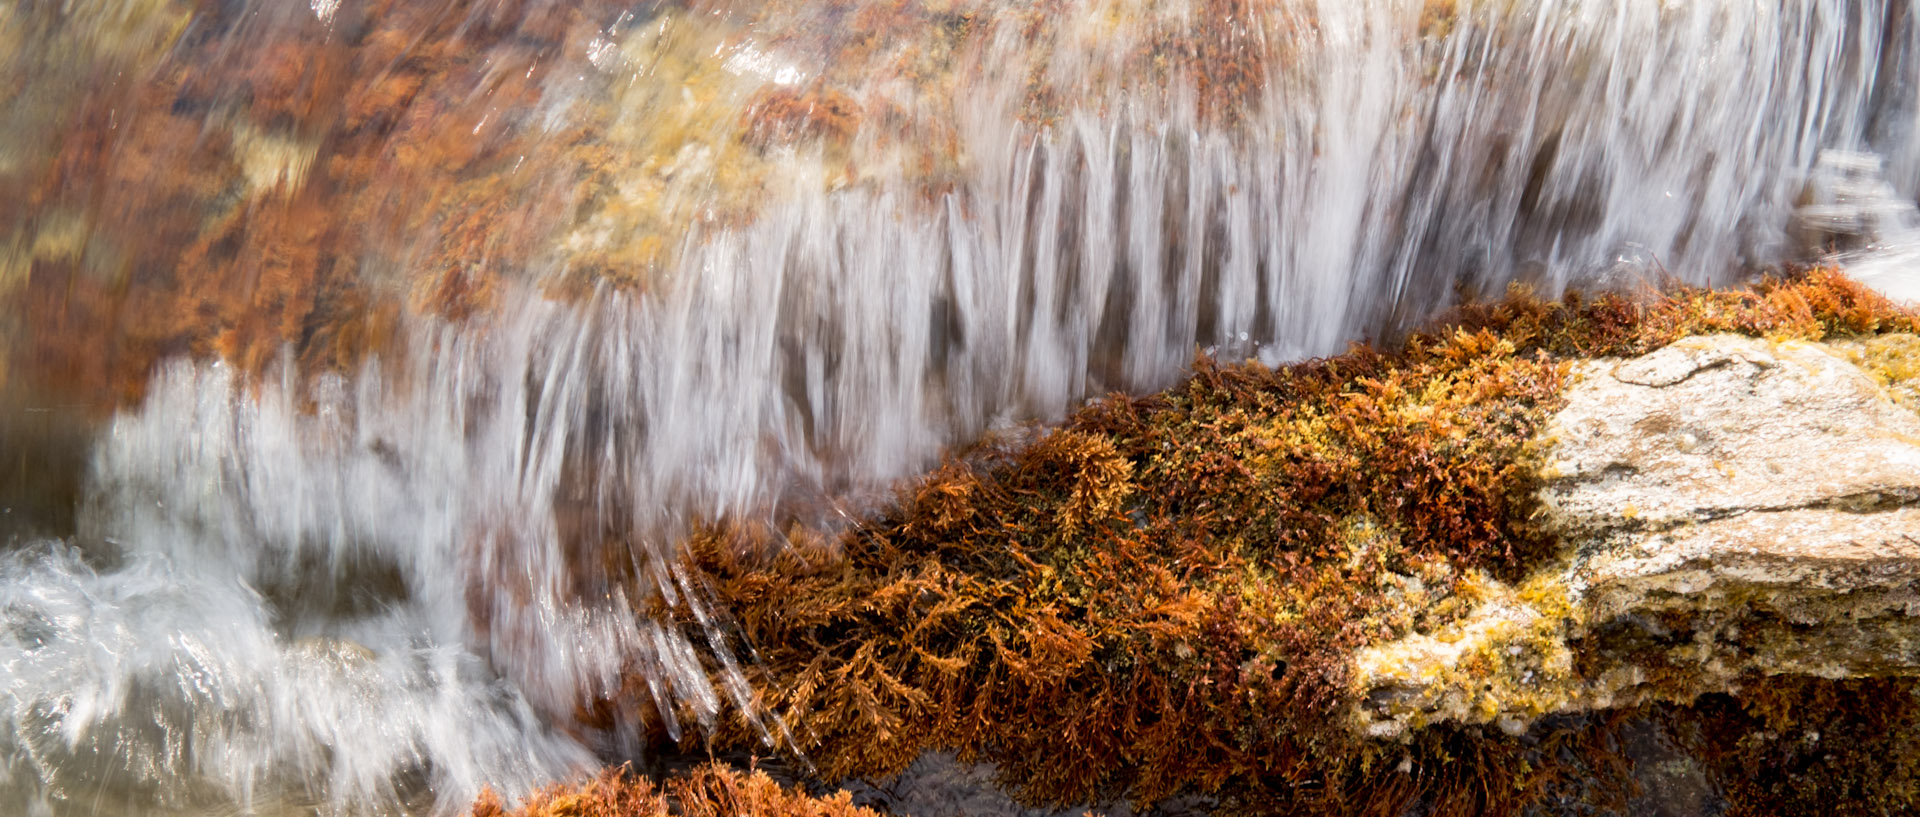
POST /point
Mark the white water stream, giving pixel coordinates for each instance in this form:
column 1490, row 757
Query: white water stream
column 375, row 592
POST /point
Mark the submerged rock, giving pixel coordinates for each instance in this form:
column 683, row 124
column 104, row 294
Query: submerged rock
column 1728, row 507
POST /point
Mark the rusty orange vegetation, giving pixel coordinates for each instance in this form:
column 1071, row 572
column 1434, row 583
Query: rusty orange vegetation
column 786, row 115
column 708, row 791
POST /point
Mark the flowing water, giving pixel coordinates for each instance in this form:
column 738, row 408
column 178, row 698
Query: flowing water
column 822, row 242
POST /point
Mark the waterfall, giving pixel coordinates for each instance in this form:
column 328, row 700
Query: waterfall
column 382, row 589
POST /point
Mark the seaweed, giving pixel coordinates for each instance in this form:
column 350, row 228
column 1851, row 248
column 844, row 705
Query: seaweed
column 706, row 791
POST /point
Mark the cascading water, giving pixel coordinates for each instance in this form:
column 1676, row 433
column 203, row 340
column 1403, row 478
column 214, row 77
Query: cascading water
column 383, row 590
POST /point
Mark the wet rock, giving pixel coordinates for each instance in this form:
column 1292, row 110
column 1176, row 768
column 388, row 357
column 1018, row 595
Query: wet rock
column 42, row 463
column 273, row 186
column 1729, row 509
column 1673, row 781
column 940, row 785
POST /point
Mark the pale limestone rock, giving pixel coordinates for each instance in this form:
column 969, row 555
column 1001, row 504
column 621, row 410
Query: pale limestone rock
column 1717, row 426
column 1729, row 508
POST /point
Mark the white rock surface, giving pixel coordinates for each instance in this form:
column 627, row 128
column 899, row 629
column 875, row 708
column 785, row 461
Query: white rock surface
column 1720, row 426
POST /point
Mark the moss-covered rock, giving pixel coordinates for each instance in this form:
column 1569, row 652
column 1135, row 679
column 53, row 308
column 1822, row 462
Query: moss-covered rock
column 1727, row 508
column 1169, row 593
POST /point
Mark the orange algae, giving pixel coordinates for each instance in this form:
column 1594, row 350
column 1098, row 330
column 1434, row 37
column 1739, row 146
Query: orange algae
column 299, row 187
column 707, row 791
column 785, row 115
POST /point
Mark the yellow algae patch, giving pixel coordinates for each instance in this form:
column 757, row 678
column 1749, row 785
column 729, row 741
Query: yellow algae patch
column 693, row 112
column 1893, row 360
column 1508, row 662
column 124, row 28
column 61, row 236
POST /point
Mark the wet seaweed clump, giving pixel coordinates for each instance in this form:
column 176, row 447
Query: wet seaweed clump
column 1164, row 594
column 1795, row 745
column 708, row 791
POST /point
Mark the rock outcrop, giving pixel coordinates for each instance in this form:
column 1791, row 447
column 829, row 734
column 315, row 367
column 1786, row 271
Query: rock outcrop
column 1729, row 508
column 1666, row 549
column 1678, row 523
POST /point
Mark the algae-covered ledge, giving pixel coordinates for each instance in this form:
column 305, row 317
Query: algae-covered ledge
column 1307, row 589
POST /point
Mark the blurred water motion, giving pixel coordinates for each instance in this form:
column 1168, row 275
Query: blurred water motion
column 364, row 361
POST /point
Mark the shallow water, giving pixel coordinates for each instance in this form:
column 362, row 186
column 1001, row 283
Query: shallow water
column 646, row 265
